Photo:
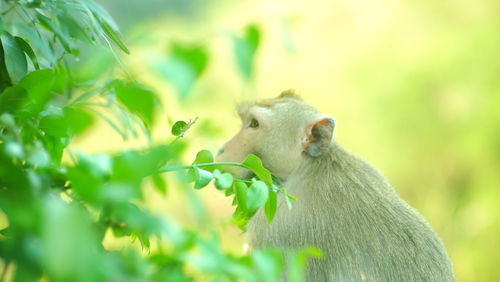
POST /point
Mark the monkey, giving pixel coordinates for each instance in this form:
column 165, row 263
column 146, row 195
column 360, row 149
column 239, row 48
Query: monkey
column 345, row 207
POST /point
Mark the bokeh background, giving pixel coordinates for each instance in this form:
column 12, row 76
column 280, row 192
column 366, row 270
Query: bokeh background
column 414, row 87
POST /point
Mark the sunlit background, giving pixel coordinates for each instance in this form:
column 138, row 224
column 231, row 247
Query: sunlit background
column 413, row 85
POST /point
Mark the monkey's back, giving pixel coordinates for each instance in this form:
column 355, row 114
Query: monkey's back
column 367, row 233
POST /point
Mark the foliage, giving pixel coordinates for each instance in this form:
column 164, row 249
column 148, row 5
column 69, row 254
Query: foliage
column 55, row 81
column 249, row 195
column 184, row 66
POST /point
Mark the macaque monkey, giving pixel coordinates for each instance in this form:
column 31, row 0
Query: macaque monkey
column 345, row 206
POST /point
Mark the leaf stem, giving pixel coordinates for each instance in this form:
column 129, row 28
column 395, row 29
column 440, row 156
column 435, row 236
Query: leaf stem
column 175, row 168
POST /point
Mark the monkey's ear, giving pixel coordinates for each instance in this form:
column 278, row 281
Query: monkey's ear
column 318, row 136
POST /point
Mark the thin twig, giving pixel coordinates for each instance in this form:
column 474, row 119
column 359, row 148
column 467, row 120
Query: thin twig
column 168, row 168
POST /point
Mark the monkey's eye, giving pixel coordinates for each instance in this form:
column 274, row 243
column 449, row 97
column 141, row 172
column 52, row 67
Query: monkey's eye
column 253, row 123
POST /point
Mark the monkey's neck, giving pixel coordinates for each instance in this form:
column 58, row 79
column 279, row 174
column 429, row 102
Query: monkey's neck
column 336, row 158
column 336, row 169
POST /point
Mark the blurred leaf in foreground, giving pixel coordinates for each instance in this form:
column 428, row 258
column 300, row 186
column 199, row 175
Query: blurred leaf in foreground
column 137, row 99
column 15, row 59
column 38, row 85
column 69, row 242
column 184, row 66
column 245, row 48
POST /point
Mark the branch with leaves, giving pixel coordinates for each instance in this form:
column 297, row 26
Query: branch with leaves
column 249, row 195
column 55, row 215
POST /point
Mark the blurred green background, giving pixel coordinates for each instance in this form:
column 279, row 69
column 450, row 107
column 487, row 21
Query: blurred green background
column 413, row 85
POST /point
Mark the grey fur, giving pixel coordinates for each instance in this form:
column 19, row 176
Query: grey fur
column 366, row 231
column 345, row 206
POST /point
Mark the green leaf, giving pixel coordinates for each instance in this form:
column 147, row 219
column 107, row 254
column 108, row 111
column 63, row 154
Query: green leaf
column 86, row 180
column 313, row 252
column 240, row 218
column 113, row 35
column 184, row 66
column 271, row 205
column 190, row 175
column 55, row 147
column 203, row 177
column 240, row 191
column 179, row 128
column 229, row 191
column 49, row 24
column 62, row 79
column 33, row 3
column 54, row 125
column 269, row 264
column 73, row 28
column 138, row 100
column 144, row 240
column 253, row 163
column 193, row 55
column 12, row 99
column 102, row 24
column 296, row 262
column 245, row 49
column 257, row 195
column 252, row 35
column 99, row 12
column 66, row 230
column 133, row 166
column 223, row 181
column 99, row 165
column 178, row 73
column 78, row 120
column 160, row 183
column 205, row 156
column 39, row 43
column 118, row 192
column 15, row 59
column 38, row 84
column 28, row 50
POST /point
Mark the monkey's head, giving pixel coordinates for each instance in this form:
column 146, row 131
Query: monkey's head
column 282, row 131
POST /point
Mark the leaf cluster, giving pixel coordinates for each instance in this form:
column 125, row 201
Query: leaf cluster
column 56, row 78
column 249, row 195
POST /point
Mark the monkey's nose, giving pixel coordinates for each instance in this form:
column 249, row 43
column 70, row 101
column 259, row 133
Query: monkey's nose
column 221, row 150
